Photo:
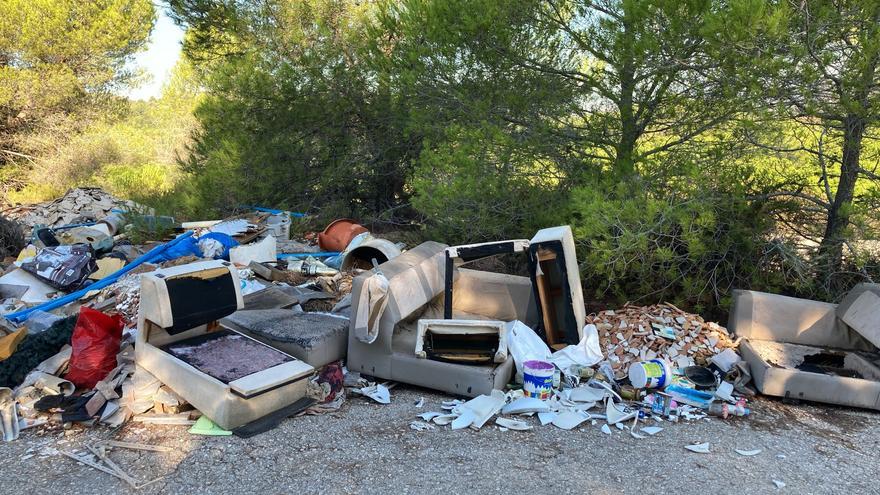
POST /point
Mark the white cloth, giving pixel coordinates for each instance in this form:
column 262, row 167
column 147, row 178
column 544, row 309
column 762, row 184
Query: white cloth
column 371, row 304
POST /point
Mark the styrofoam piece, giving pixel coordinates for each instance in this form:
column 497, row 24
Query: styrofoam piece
column 526, row 405
column 725, row 359
column 444, row 419
column 482, row 408
column 464, row 420
column 724, row 391
column 260, row 251
column 420, row 426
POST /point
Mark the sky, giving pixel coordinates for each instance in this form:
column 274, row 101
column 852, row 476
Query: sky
column 162, row 53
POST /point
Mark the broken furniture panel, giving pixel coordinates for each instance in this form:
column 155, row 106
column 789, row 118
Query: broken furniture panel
column 557, row 284
column 798, row 349
column 315, row 338
column 232, row 378
column 462, row 341
column 472, row 252
column 860, row 309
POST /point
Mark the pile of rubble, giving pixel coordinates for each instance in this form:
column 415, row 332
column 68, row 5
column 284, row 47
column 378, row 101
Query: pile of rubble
column 79, row 205
column 642, row 333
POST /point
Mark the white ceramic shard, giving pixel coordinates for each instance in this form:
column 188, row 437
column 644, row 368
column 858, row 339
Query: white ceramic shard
column 587, row 394
column 513, row 424
column 651, row 430
column 445, row 419
column 466, row 419
column 526, row 405
column 420, row 403
column 748, row 453
column 428, row 416
column 378, row 393
column 700, row 448
column 546, row 417
column 615, row 414
column 779, row 484
column 483, row 407
column 569, row 420
column 605, row 429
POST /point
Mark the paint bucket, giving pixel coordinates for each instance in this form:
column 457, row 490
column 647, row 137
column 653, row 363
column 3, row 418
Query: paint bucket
column 279, row 225
column 655, row 373
column 538, row 379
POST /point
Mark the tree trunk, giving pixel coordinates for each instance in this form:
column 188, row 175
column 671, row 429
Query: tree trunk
column 624, row 163
column 831, row 248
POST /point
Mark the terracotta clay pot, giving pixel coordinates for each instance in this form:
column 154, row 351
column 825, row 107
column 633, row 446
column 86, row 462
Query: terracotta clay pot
column 339, row 233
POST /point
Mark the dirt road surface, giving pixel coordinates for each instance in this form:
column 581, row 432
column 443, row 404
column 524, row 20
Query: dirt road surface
column 366, row 447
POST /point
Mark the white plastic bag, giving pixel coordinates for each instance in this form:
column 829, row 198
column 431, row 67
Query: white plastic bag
column 586, row 353
column 524, row 345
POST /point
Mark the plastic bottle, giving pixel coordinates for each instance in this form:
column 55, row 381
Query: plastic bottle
column 724, row 410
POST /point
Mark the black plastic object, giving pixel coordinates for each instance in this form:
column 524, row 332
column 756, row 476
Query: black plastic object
column 47, row 237
column 199, row 300
column 63, row 267
column 701, row 376
column 271, row 420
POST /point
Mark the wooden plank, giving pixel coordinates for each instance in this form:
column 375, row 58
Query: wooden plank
column 136, row 446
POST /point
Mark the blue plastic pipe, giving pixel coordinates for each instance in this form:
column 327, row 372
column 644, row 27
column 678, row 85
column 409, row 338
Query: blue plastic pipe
column 272, row 211
column 326, row 254
column 19, row 316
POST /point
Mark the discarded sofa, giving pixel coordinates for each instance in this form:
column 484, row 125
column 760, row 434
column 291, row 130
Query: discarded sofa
column 231, row 378
column 555, row 277
column 803, row 350
column 411, row 287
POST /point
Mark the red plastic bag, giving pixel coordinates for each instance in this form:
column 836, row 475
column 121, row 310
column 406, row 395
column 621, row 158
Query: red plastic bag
column 95, row 343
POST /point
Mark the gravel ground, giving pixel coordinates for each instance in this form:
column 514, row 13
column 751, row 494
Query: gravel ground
column 369, row 448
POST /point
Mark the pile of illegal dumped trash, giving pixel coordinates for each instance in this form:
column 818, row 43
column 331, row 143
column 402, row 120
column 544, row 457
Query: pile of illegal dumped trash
column 72, row 297
column 229, row 326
